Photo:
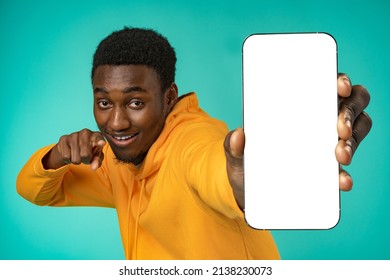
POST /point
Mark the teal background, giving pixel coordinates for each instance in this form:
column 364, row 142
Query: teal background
column 45, row 59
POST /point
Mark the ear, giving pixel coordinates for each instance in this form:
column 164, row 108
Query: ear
column 171, row 96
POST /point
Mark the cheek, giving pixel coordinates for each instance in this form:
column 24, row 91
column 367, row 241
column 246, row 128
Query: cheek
column 100, row 119
column 151, row 118
column 152, row 124
column 149, row 123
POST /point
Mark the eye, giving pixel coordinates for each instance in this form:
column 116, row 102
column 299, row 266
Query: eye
column 136, row 104
column 103, row 104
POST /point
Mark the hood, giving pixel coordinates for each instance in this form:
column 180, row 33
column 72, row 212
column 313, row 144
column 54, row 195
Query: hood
column 186, row 104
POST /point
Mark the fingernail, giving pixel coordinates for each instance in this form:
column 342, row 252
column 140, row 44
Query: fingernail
column 348, row 147
column 349, row 150
column 348, row 122
column 347, row 80
column 234, row 153
column 347, row 119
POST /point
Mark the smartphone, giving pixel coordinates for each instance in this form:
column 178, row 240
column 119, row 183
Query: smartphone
column 290, row 114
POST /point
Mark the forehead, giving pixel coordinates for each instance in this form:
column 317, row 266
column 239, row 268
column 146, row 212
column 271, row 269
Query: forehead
column 125, row 75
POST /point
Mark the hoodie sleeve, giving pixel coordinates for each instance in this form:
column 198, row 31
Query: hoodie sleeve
column 70, row 185
column 204, row 163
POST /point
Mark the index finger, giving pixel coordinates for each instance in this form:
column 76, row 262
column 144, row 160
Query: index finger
column 98, row 142
column 91, row 144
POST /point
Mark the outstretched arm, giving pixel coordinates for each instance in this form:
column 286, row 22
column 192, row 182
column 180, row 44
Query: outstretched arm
column 54, row 175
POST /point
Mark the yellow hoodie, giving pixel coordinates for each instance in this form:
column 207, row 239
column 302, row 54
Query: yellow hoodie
column 177, row 205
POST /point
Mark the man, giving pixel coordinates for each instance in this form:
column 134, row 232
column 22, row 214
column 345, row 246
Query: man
column 173, row 173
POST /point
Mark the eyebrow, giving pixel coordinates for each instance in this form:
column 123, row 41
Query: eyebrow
column 125, row 90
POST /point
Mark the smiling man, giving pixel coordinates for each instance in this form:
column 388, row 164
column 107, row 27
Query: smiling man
column 173, row 173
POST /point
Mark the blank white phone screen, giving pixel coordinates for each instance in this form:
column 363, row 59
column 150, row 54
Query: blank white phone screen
column 290, row 120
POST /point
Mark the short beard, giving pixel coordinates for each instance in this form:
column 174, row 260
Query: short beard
column 139, row 161
column 122, row 162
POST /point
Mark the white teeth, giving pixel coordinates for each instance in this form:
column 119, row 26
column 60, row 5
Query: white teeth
column 123, row 138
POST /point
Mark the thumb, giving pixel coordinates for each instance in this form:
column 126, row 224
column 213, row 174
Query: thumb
column 234, row 150
column 235, row 143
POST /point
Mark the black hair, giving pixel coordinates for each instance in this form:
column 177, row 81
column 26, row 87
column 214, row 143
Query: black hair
column 137, row 46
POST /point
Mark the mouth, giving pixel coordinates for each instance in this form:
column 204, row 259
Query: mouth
column 123, row 140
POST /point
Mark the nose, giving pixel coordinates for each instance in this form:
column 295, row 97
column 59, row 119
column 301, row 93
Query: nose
column 119, row 120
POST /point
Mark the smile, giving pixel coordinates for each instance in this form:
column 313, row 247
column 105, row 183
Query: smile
column 123, row 140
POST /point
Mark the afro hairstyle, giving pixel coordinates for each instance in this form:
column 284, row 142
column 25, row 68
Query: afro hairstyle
column 137, row 46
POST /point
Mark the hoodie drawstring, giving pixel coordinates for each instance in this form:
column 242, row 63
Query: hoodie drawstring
column 135, row 248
